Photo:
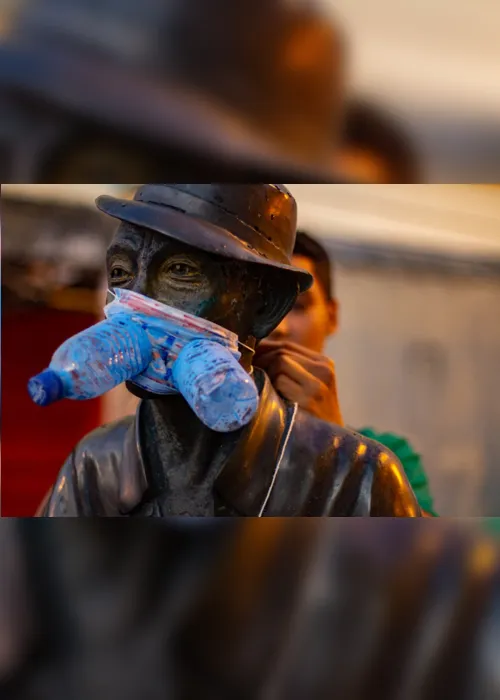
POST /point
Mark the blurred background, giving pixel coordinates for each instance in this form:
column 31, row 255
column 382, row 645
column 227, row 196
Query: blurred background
column 425, row 73
column 434, row 64
column 312, row 608
column 417, row 276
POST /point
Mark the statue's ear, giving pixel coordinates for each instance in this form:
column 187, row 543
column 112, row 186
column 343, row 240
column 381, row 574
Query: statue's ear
column 277, row 297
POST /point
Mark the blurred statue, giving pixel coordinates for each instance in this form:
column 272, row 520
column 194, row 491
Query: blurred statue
column 221, row 252
column 120, row 90
column 375, row 147
column 280, row 609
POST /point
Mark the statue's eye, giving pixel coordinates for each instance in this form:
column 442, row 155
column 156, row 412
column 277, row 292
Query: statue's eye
column 119, row 274
column 182, row 270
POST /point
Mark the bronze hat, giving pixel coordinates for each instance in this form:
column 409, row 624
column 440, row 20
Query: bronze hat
column 253, row 223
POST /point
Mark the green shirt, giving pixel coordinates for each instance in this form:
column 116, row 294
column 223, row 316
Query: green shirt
column 416, row 475
column 411, row 464
column 492, row 526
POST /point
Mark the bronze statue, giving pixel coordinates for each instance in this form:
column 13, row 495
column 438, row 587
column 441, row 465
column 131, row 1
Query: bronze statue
column 283, row 609
column 222, row 252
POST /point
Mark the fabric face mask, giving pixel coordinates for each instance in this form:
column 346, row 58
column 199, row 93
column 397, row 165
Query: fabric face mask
column 169, row 331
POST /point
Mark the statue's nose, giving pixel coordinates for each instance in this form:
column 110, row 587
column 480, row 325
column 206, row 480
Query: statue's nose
column 140, row 283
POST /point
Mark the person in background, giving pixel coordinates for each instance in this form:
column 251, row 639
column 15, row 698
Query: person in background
column 293, row 358
column 375, row 147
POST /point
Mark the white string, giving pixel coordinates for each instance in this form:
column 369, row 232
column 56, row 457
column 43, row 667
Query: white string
column 251, row 350
column 280, row 459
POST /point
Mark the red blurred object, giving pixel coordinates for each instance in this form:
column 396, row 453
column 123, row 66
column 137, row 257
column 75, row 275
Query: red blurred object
column 36, row 441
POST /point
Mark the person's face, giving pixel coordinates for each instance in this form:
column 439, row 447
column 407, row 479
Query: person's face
column 313, row 318
column 362, row 165
column 149, row 263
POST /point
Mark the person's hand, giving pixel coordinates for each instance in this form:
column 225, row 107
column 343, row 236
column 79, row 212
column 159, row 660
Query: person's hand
column 302, row 376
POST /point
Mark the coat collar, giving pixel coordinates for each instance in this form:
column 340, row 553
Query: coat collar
column 247, row 477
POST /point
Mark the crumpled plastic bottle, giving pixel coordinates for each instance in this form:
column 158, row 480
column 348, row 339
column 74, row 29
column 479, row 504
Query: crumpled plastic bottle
column 93, row 362
column 215, row 385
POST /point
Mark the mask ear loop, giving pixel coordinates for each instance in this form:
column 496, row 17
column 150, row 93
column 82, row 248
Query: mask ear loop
column 252, row 353
column 250, row 350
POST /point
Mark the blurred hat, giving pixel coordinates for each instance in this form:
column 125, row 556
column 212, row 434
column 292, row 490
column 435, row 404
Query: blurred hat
column 253, row 223
column 256, row 82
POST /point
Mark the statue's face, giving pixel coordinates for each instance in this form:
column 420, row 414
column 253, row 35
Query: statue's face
column 222, row 291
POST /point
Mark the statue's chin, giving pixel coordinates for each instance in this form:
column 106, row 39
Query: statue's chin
column 142, row 393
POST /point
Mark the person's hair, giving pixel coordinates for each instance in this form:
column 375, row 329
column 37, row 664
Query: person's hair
column 367, row 127
column 309, row 248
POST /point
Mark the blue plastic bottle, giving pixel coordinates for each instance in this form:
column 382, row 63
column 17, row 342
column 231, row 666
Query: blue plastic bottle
column 93, row 362
column 220, row 392
column 215, row 385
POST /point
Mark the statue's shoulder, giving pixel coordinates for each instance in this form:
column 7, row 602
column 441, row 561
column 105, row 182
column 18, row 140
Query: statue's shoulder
column 331, row 441
column 111, row 437
column 103, row 476
column 330, row 470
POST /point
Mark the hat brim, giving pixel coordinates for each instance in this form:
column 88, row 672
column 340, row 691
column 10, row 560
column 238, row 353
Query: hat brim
column 153, row 109
column 194, row 232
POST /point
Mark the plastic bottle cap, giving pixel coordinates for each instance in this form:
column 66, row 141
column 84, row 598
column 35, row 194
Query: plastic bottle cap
column 45, row 388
